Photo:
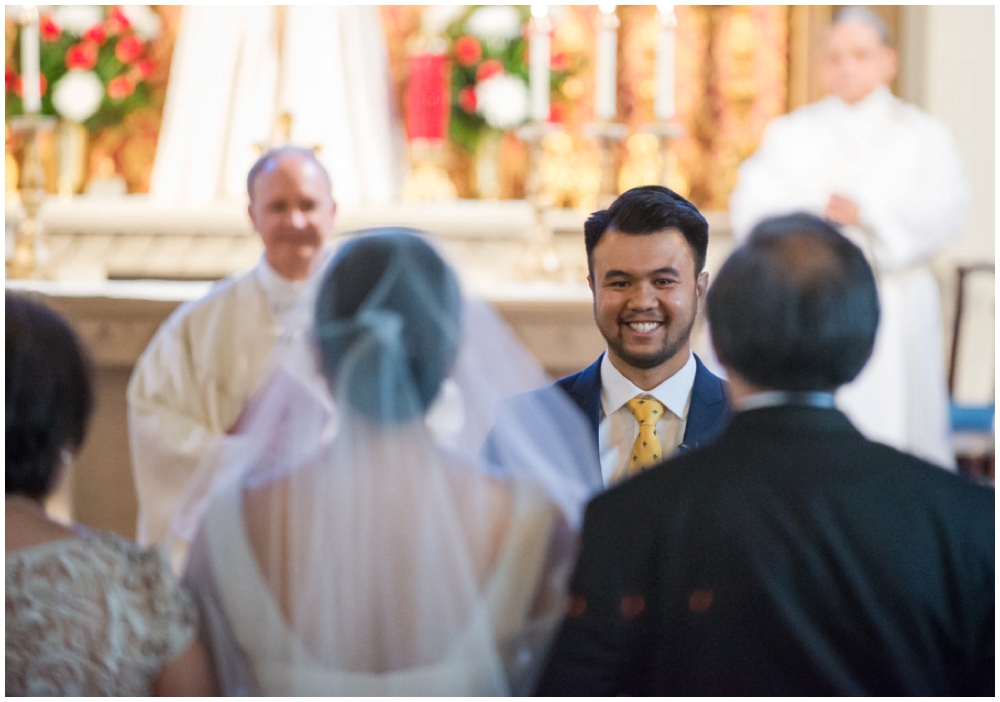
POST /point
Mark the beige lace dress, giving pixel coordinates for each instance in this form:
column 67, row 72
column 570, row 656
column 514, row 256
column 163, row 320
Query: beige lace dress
column 93, row 615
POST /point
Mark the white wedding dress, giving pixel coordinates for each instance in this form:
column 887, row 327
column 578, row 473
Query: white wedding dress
column 484, row 659
column 354, row 541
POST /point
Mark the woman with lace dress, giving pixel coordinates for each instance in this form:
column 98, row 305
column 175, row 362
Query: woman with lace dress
column 87, row 613
column 354, row 542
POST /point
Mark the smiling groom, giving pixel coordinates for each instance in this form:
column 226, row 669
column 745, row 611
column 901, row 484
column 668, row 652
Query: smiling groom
column 648, row 395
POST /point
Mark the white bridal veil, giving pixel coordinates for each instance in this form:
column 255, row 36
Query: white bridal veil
column 358, row 539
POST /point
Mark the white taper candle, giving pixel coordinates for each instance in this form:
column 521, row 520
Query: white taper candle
column 30, row 80
column 540, row 50
column 663, row 104
column 606, row 88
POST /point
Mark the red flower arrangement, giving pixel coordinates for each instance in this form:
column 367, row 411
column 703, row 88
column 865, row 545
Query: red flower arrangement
column 82, row 56
column 97, row 35
column 120, row 88
column 95, row 60
column 487, row 42
column 467, row 99
column 129, row 49
column 488, row 69
column 47, row 29
column 117, row 22
column 468, row 51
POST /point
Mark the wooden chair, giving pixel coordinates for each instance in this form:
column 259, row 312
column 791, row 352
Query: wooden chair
column 973, row 425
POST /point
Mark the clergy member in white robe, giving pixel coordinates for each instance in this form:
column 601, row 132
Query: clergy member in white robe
column 890, row 175
column 191, row 384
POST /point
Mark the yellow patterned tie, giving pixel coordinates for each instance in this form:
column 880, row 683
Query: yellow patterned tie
column 647, row 450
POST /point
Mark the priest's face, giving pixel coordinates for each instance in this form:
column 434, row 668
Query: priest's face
column 857, row 61
column 646, row 296
column 292, row 210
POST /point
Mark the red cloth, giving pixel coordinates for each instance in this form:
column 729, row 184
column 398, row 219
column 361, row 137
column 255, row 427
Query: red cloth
column 427, row 103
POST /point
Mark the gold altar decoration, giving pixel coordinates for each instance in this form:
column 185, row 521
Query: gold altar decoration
column 427, row 180
column 71, row 157
column 737, row 66
column 732, row 77
column 30, row 256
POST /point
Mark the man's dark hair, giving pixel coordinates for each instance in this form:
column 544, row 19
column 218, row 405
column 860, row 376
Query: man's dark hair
column 795, row 307
column 647, row 210
column 278, row 152
column 49, row 395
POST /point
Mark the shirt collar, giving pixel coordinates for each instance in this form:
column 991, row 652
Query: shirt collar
column 784, row 398
column 281, row 293
column 673, row 392
column 875, row 101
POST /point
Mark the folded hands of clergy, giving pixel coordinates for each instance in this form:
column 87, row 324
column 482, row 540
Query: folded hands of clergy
column 841, row 210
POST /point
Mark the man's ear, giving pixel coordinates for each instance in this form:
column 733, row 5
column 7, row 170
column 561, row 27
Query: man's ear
column 590, row 282
column 701, row 286
column 250, row 215
column 891, row 65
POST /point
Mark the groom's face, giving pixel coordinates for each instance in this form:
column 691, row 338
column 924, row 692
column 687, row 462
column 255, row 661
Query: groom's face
column 646, row 295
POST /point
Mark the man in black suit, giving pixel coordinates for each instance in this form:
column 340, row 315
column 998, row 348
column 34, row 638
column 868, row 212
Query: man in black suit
column 649, row 395
column 792, row 556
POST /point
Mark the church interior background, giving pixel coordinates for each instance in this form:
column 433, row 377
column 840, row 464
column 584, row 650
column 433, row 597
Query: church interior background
column 124, row 245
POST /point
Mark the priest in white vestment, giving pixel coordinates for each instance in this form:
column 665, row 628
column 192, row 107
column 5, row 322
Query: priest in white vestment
column 191, row 384
column 890, row 175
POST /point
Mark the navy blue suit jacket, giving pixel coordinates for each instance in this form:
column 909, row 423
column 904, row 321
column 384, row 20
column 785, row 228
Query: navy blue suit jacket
column 708, row 413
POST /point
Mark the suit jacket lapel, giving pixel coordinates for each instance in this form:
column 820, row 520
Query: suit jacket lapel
column 586, row 392
column 708, row 412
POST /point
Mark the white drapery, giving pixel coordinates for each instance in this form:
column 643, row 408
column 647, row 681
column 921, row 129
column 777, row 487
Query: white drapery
column 235, row 69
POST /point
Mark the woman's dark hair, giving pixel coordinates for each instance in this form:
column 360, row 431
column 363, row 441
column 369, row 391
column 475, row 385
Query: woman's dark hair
column 649, row 209
column 391, row 305
column 795, row 307
column 49, row 395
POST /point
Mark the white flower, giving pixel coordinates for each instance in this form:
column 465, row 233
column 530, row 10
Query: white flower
column 494, row 23
column 77, row 19
column 502, row 100
column 146, row 23
column 77, row 95
column 436, row 18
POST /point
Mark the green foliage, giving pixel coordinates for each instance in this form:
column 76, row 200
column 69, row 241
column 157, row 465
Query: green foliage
column 52, row 64
column 465, row 128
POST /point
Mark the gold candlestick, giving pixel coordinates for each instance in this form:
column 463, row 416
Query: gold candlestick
column 541, row 259
column 608, row 135
column 31, row 256
column 665, row 132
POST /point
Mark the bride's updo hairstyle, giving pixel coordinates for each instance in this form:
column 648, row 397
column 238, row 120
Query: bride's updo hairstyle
column 388, row 316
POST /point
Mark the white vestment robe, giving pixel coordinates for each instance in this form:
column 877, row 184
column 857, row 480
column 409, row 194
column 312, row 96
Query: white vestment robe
column 236, row 68
column 900, row 166
column 193, row 381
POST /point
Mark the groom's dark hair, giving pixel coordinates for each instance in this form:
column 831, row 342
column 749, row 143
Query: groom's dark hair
column 649, row 209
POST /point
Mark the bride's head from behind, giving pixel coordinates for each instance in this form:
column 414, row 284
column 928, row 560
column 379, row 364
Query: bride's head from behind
column 387, row 325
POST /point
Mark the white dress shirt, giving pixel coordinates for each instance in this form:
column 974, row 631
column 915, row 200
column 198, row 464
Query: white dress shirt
column 618, row 428
column 281, row 293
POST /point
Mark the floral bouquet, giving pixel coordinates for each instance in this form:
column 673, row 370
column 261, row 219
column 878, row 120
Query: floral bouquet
column 488, row 52
column 93, row 60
